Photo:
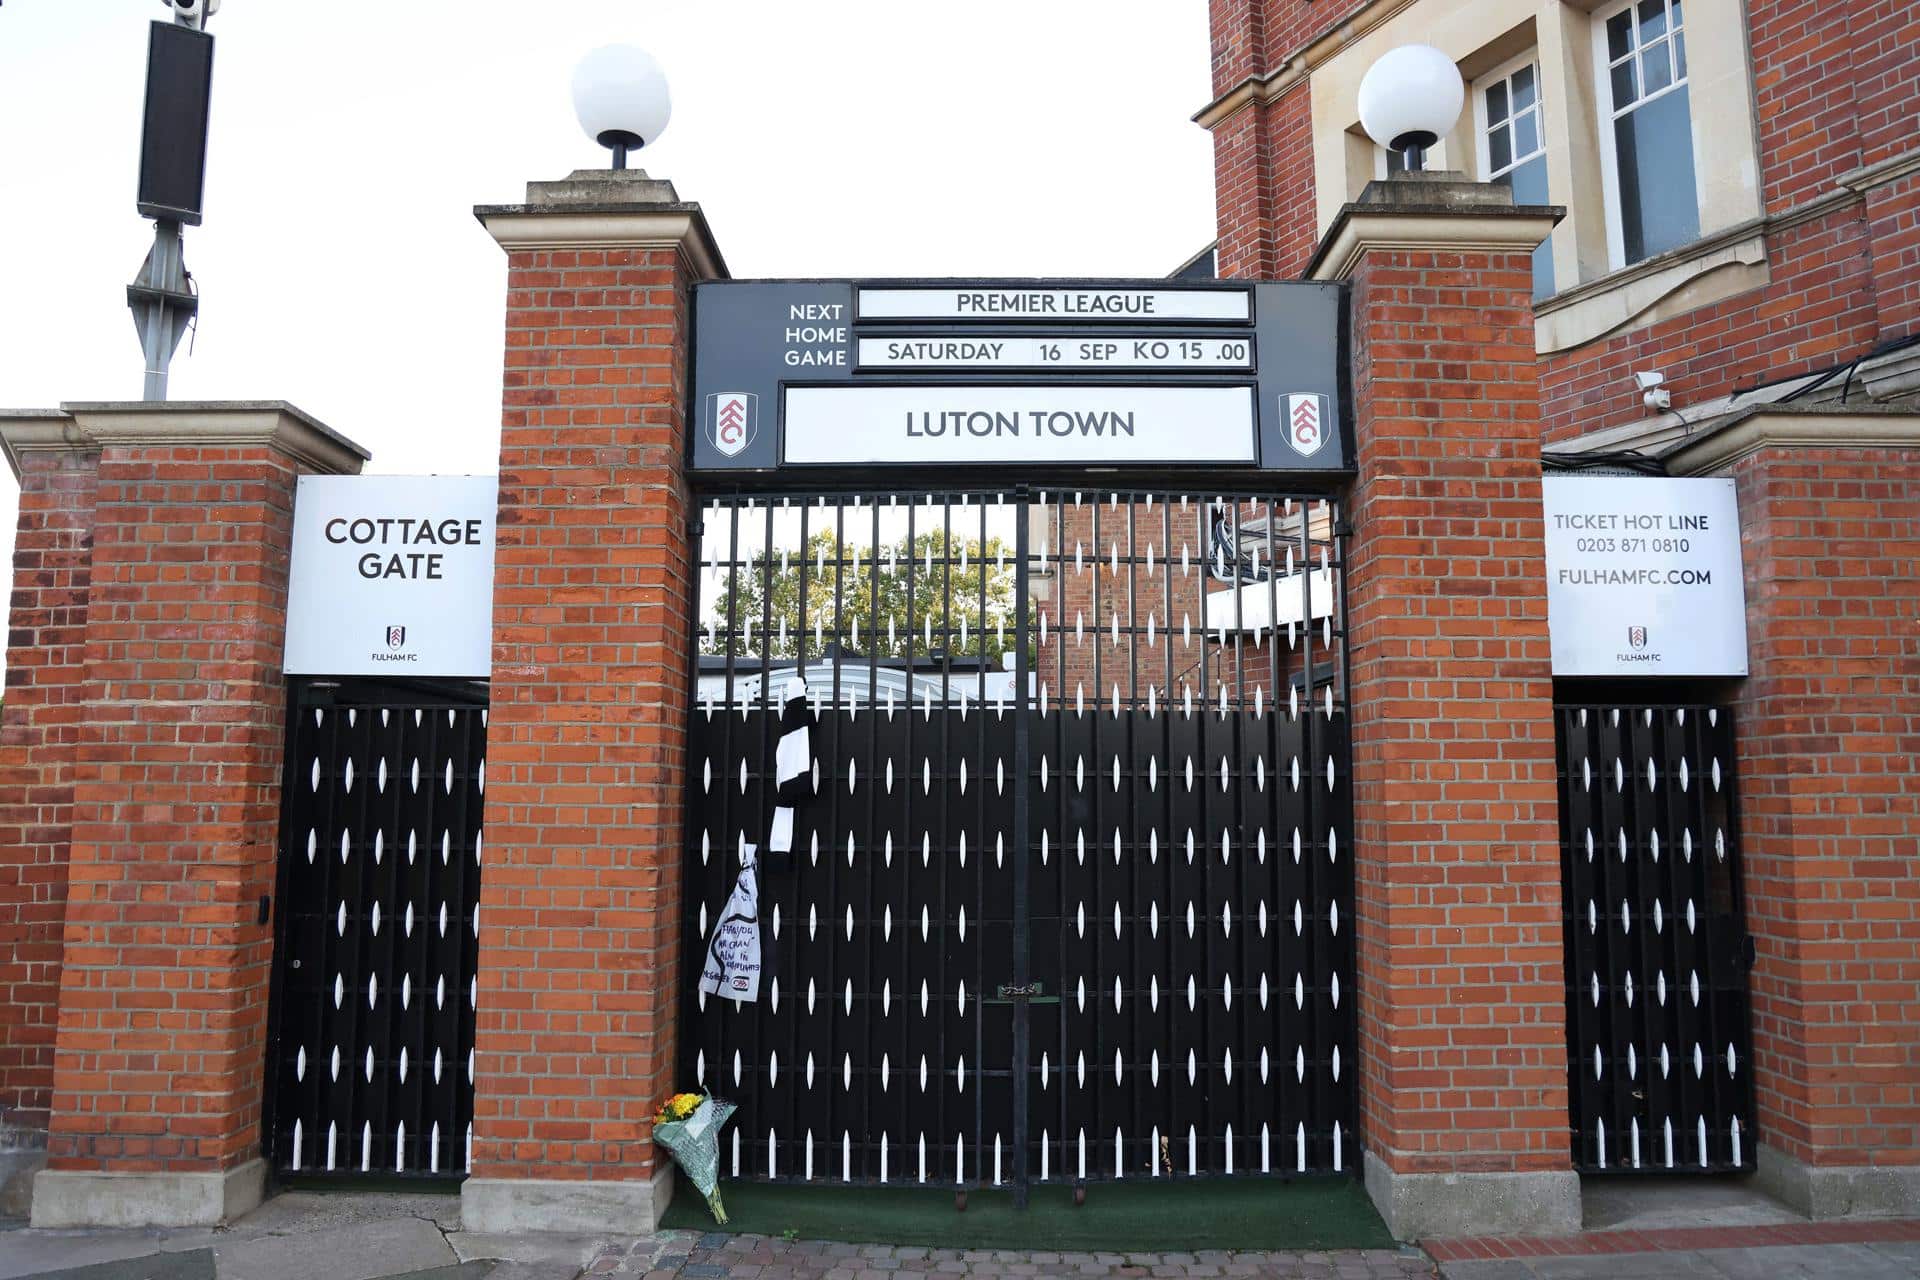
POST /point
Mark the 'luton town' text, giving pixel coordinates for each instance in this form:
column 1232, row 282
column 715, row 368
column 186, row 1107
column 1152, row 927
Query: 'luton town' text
column 1034, row 424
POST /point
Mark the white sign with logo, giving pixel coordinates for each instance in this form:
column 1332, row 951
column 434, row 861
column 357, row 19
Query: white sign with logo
column 988, row 303
column 1055, row 351
column 392, row 575
column 1095, row 426
column 1643, row 577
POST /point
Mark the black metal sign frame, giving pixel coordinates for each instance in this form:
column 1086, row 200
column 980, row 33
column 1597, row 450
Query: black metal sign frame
column 1297, row 332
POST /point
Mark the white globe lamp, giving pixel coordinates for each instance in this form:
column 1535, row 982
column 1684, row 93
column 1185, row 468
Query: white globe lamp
column 620, row 95
column 1410, row 99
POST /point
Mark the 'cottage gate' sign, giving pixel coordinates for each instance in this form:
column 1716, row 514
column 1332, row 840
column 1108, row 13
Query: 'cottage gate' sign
column 392, row 575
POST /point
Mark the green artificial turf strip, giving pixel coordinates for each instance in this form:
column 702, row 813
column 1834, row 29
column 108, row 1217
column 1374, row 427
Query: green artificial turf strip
column 1169, row 1216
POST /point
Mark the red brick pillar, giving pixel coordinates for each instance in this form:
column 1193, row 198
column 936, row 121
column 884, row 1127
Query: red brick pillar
column 593, row 605
column 1456, row 860
column 39, row 730
column 175, row 801
column 1828, row 732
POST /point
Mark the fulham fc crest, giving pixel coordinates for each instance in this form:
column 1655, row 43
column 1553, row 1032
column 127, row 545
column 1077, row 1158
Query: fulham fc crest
column 732, row 420
column 1306, row 422
column 1637, row 637
column 396, row 637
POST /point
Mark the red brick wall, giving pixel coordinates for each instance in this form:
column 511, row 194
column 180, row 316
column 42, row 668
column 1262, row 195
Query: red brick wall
column 1804, row 88
column 1243, row 194
column 1081, row 656
column 1263, row 188
column 1829, row 729
column 1886, row 60
column 1456, row 860
column 1837, row 86
column 163, row 991
column 1818, row 310
column 1254, row 37
column 592, row 617
column 1238, row 41
column 1893, row 216
column 39, row 732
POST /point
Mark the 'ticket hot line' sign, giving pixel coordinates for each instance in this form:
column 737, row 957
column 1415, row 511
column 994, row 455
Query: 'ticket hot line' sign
column 1644, row 577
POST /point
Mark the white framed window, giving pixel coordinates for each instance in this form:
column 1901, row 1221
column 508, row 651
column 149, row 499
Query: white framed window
column 1646, row 128
column 1510, row 139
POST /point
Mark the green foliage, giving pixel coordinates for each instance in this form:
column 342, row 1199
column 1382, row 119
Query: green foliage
column 930, row 587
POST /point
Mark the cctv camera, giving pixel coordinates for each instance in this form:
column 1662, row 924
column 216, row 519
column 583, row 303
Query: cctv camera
column 1649, row 380
column 193, row 13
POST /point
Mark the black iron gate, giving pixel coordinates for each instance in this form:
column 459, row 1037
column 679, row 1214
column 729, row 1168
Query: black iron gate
column 375, row 962
column 1657, row 953
column 1074, row 902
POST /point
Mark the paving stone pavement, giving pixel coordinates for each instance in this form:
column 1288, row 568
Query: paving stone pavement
column 1775, row 1262
column 682, row 1255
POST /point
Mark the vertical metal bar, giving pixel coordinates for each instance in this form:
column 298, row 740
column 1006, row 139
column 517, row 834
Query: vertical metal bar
column 756, row 803
column 1323, row 1024
column 1237, row 1025
column 784, row 949
column 973, row 878
column 1272, row 813
column 1022, row 889
column 877, row 882
column 836, row 724
column 1134, row 958
column 1733, row 942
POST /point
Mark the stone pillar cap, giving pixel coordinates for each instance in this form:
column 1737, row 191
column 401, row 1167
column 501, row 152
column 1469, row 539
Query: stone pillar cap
column 91, row 424
column 1434, row 211
column 606, row 209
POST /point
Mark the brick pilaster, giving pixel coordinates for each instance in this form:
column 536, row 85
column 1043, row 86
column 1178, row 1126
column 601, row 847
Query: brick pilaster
column 1456, row 860
column 39, row 731
column 1828, row 729
column 175, row 778
column 593, row 604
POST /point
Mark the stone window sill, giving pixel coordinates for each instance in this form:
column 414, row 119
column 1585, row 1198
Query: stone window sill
column 1713, row 268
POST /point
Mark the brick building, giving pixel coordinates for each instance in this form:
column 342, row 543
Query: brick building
column 1283, row 836
column 1740, row 187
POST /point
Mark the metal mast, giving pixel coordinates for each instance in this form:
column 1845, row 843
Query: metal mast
column 173, row 155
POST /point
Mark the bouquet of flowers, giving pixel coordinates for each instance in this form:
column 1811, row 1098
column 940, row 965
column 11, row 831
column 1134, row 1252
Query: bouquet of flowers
column 688, row 1125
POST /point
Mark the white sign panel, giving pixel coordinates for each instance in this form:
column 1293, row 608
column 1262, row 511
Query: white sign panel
column 1054, row 351
column 1095, row 426
column 392, row 575
column 1643, row 577
column 1082, row 305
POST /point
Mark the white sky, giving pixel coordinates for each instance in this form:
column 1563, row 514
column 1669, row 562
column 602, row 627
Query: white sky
column 341, row 269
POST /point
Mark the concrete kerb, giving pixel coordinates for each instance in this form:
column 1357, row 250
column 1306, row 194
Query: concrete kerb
column 1421, row 1206
column 505, row 1206
column 88, row 1198
column 1844, row 1191
column 17, row 1169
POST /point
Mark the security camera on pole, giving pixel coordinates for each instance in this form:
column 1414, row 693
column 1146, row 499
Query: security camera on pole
column 173, row 163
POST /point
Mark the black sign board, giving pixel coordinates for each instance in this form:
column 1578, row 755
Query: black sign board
column 173, row 142
column 1223, row 375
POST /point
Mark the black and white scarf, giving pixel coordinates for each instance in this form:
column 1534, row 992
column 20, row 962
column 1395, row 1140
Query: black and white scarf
column 736, row 957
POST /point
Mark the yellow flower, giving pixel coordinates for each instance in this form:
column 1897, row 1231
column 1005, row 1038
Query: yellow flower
column 680, row 1106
